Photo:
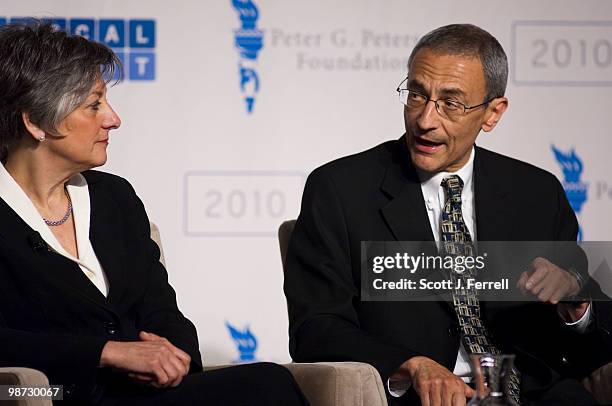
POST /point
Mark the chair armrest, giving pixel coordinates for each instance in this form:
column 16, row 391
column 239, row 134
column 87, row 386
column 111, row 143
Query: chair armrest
column 213, row 367
column 339, row 383
column 25, row 377
column 599, row 383
column 336, row 383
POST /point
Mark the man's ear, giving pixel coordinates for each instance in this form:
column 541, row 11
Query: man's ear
column 495, row 111
column 35, row 131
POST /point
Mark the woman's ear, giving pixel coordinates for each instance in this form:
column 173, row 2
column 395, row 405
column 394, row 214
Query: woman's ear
column 35, row 131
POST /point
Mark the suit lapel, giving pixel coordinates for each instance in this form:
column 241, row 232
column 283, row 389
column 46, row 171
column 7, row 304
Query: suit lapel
column 493, row 219
column 105, row 234
column 405, row 213
column 43, row 263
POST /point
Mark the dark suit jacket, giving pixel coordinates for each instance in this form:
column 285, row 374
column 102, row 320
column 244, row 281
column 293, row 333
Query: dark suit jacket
column 54, row 319
column 376, row 196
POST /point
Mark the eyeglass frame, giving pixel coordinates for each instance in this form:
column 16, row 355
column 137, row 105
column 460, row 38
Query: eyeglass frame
column 428, row 99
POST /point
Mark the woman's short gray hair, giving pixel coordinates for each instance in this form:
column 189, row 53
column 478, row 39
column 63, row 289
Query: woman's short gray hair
column 46, row 73
column 470, row 41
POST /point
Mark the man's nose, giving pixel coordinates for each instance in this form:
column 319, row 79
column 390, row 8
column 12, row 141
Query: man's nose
column 429, row 117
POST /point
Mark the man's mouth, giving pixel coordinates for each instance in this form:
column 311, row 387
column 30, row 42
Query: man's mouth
column 427, row 146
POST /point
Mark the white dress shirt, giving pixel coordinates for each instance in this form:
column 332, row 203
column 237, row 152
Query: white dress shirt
column 16, row 198
column 435, row 199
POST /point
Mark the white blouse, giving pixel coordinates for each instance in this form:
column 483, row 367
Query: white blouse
column 16, row 198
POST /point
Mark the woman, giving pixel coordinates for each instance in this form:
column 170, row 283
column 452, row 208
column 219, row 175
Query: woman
column 83, row 296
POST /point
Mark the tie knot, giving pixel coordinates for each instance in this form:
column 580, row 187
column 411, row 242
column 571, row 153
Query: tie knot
column 453, row 185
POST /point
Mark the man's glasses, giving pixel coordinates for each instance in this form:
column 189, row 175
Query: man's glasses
column 446, row 108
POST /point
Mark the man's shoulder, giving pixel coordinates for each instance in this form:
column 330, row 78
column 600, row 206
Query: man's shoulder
column 506, row 168
column 361, row 166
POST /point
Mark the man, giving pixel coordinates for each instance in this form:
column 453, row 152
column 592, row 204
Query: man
column 400, row 190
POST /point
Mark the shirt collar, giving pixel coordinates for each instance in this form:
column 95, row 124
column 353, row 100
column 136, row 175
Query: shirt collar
column 431, row 183
column 18, row 200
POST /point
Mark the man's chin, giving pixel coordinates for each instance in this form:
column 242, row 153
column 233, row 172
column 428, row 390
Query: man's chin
column 425, row 162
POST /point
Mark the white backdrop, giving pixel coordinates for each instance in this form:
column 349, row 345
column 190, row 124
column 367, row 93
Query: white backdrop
column 218, row 180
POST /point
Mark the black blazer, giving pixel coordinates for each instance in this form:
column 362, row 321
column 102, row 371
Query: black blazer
column 376, row 196
column 54, row 319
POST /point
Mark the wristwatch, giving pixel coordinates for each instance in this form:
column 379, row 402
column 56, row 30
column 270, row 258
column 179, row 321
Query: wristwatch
column 579, row 298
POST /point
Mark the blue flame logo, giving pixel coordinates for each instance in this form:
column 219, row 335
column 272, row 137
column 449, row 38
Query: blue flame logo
column 245, row 342
column 248, row 42
column 575, row 189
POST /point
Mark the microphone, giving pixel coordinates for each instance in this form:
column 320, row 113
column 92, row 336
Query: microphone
column 37, row 243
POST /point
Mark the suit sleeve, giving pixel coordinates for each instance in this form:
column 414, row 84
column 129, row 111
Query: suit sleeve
column 566, row 224
column 158, row 311
column 593, row 349
column 321, row 291
column 568, row 254
column 69, row 360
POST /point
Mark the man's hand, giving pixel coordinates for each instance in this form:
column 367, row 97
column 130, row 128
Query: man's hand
column 548, row 282
column 552, row 284
column 435, row 385
column 154, row 360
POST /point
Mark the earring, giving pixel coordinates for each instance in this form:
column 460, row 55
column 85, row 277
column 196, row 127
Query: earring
column 41, row 138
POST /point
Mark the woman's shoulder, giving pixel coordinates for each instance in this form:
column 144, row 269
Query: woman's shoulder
column 108, row 181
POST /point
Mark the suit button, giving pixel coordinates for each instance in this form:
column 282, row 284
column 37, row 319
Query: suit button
column 111, row 328
column 68, row 390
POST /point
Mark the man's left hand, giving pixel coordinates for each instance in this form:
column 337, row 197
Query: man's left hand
column 548, row 282
column 551, row 284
